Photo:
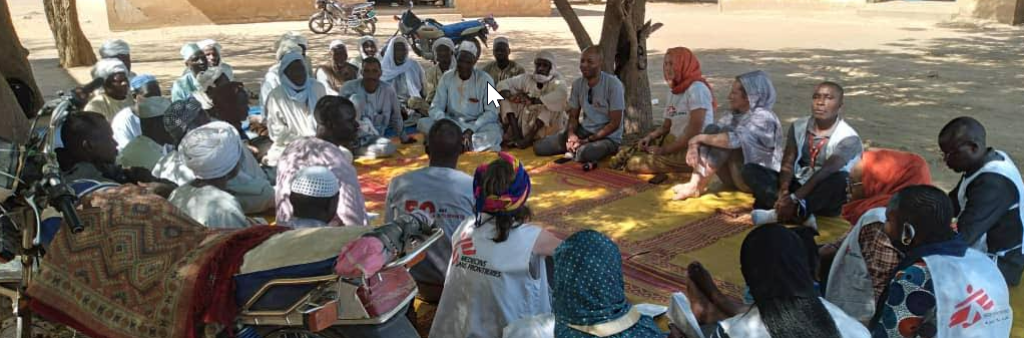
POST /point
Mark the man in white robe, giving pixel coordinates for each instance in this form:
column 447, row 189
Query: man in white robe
column 116, row 94
column 289, row 107
column 126, row 123
column 195, row 62
column 147, row 149
column 290, row 42
column 462, row 97
column 535, row 103
column 213, row 153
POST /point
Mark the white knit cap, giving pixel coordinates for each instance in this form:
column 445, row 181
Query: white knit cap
column 113, row 48
column 469, row 46
column 501, row 39
column 315, row 181
column 108, row 67
column 153, row 107
column 188, row 50
column 212, row 151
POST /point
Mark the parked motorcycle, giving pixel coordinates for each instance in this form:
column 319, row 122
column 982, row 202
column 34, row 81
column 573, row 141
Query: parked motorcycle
column 360, row 18
column 318, row 305
column 422, row 33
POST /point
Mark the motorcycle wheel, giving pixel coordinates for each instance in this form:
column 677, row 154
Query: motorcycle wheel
column 416, row 47
column 367, row 28
column 321, row 23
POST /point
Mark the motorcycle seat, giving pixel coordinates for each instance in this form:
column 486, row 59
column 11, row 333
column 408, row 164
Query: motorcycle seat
column 429, row 32
column 455, row 30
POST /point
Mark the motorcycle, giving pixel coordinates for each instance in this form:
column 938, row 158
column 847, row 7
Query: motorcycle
column 360, row 18
column 422, row 33
column 326, row 305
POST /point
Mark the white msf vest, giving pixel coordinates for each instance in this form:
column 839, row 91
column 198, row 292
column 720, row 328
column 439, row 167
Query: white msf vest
column 490, row 285
column 971, row 297
column 850, row 286
column 1005, row 168
column 841, row 132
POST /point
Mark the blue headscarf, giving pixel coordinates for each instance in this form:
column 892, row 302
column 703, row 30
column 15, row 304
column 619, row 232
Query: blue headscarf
column 589, row 288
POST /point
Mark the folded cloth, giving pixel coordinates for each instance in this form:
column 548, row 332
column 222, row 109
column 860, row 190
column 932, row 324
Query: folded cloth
column 363, row 257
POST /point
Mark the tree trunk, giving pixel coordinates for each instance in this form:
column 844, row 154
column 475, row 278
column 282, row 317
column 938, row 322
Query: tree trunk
column 14, row 59
column 575, row 26
column 72, row 47
column 624, row 48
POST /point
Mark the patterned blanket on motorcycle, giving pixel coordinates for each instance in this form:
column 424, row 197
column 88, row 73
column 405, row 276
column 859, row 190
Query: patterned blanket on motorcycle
column 141, row 268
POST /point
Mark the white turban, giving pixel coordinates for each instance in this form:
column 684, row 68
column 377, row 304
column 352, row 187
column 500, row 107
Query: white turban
column 501, row 39
column 209, row 43
column 188, row 50
column 106, row 68
column 451, row 46
column 288, row 47
column 152, row 107
column 315, row 181
column 546, row 55
column 113, row 48
column 297, row 38
column 469, row 46
column 212, row 151
column 337, row 43
column 206, row 80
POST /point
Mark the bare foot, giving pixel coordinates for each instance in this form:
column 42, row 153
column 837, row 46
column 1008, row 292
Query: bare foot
column 702, row 307
column 703, row 280
column 686, row 191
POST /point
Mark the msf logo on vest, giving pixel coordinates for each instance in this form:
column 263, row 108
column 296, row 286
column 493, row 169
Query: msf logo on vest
column 465, row 246
column 969, row 312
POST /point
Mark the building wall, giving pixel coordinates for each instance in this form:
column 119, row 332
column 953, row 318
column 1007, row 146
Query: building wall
column 140, row 14
column 480, row 8
column 791, row 4
column 1004, row 11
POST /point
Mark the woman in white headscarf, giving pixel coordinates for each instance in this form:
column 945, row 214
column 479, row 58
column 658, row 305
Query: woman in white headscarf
column 115, row 89
column 401, row 72
column 214, row 154
column 289, row 112
column 367, row 48
column 212, row 49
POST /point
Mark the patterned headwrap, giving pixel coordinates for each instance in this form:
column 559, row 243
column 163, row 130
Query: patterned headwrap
column 589, row 291
column 182, row 116
column 512, row 199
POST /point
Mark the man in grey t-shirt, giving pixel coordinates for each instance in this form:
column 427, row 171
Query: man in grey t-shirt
column 442, row 191
column 600, row 98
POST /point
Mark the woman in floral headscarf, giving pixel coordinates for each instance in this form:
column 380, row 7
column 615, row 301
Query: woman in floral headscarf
column 498, row 272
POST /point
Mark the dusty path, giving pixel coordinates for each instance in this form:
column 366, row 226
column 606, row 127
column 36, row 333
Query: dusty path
column 904, row 79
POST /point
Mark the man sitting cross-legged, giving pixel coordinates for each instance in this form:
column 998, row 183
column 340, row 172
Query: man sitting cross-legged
column 600, row 98
column 536, row 102
column 462, row 97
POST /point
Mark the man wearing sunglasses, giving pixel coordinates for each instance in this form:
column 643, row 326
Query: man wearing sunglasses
column 600, row 97
column 988, row 197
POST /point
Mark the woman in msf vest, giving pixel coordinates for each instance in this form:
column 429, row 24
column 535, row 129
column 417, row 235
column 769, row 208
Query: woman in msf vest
column 497, row 273
column 941, row 288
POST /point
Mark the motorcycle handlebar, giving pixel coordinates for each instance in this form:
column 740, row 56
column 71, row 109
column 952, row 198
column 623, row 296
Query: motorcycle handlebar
column 66, row 205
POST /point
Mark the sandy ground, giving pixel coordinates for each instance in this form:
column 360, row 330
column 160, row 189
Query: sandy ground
column 904, row 79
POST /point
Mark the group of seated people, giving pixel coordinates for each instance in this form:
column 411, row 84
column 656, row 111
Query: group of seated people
column 901, row 272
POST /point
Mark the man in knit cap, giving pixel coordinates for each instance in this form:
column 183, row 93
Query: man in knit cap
column 314, row 197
